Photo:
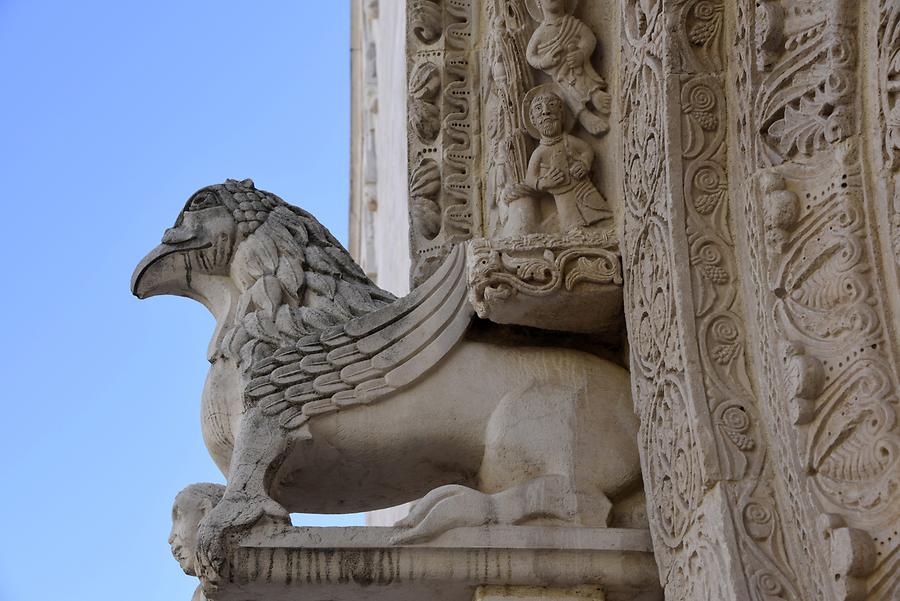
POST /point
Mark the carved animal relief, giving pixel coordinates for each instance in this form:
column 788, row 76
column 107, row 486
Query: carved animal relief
column 710, row 187
column 326, row 394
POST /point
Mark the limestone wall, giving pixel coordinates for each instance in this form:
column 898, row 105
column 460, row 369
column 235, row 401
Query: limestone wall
column 379, row 223
column 379, row 230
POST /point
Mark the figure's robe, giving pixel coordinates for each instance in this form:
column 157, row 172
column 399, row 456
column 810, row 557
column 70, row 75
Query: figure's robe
column 548, row 48
column 578, row 202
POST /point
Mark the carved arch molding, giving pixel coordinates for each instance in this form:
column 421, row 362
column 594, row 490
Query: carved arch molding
column 752, row 165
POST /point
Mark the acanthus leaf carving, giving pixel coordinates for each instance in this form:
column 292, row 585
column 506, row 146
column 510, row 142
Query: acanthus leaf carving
column 836, row 363
column 525, row 279
column 804, row 100
column 840, row 383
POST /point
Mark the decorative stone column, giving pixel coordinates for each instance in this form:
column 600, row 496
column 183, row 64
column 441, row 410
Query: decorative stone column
column 706, row 469
column 816, row 101
column 759, row 169
column 749, row 156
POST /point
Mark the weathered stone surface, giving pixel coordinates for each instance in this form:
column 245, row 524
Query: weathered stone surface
column 750, row 156
column 326, row 394
column 379, row 231
column 190, row 507
column 754, row 297
column 544, row 593
column 518, row 157
column 345, row 564
column 571, row 283
column 722, row 175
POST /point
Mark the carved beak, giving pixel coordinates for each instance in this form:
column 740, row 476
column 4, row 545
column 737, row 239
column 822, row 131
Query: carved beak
column 165, row 269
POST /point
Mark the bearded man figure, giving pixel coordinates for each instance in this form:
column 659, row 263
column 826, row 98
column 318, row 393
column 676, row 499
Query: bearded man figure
column 561, row 163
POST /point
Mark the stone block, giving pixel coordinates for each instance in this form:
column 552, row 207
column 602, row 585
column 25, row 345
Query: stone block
column 521, row 562
column 539, row 593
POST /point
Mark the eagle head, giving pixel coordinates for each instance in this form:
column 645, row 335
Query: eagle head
column 202, row 242
column 291, row 276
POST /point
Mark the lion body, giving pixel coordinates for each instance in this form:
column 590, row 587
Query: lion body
column 488, row 416
column 327, row 395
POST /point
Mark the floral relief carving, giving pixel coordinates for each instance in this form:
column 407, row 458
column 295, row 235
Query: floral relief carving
column 652, row 304
column 671, row 462
column 699, row 572
column 762, row 540
column 785, row 565
column 834, row 356
column 716, row 337
column 518, row 280
column 722, row 340
column 824, row 302
column 700, row 35
column 804, row 99
column 770, row 33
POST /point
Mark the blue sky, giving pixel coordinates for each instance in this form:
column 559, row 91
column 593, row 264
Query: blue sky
column 111, row 114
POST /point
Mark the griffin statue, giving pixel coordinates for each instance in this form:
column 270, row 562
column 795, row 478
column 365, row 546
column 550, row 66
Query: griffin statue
column 326, row 394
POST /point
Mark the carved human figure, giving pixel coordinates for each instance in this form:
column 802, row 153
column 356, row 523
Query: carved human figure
column 562, row 46
column 498, row 130
column 190, row 507
column 561, row 163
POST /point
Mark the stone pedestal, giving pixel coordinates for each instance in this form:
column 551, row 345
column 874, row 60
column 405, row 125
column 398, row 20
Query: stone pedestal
column 487, row 564
column 538, row 593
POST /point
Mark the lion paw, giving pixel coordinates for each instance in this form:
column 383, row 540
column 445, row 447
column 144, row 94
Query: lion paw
column 235, row 512
column 443, row 509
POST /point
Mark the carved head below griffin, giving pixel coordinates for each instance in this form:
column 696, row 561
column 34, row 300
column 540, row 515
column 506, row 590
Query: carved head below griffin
column 190, row 507
column 268, row 271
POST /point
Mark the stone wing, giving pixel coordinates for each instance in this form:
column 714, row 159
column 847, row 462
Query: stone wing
column 367, row 357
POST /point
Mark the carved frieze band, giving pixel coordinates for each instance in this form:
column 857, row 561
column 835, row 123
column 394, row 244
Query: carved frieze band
column 823, row 343
column 443, row 114
column 889, row 99
column 670, row 452
column 702, row 428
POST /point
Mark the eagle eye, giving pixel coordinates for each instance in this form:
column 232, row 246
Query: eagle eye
column 206, row 200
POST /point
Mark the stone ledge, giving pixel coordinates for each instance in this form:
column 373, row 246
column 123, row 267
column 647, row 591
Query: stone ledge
column 352, row 564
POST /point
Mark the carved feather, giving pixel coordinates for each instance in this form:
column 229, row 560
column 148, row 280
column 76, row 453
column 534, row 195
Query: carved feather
column 367, row 357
